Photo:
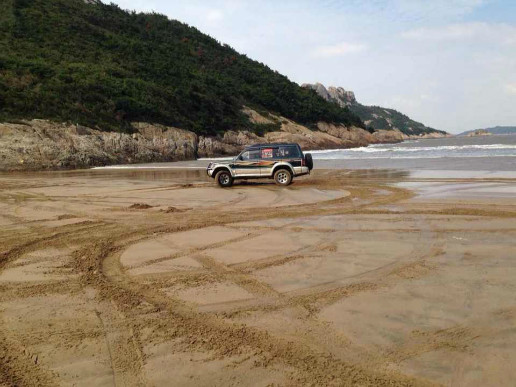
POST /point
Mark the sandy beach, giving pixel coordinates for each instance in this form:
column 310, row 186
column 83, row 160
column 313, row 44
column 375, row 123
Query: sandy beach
column 159, row 277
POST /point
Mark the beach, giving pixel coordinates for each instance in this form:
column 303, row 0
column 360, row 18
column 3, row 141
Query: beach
column 157, row 276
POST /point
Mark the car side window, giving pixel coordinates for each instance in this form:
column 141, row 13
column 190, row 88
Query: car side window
column 250, row 155
column 286, row 152
column 254, row 155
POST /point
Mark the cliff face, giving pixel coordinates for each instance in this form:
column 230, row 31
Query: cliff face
column 341, row 96
column 42, row 144
column 375, row 117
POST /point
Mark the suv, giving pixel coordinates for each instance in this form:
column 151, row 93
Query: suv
column 280, row 161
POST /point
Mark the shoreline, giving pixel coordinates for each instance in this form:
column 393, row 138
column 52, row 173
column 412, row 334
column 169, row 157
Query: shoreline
column 43, row 145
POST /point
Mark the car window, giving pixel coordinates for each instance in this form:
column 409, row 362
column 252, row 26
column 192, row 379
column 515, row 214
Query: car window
column 250, row 155
column 254, row 155
column 287, row 152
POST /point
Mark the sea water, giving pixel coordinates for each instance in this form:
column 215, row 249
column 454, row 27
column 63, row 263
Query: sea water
column 492, row 153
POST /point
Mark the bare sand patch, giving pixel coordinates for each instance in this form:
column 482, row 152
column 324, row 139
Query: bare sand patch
column 62, row 334
column 39, row 266
column 204, row 368
column 213, row 293
column 145, row 251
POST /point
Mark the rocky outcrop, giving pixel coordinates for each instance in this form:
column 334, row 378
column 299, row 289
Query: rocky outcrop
column 231, row 143
column 375, row 117
column 334, row 94
column 324, row 136
column 343, row 97
column 41, row 144
column 479, row 132
column 390, row 136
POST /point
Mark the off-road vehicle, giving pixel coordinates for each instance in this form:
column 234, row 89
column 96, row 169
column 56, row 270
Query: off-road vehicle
column 279, row 161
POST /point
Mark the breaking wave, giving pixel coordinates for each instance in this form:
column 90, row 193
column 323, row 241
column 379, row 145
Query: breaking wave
column 413, row 151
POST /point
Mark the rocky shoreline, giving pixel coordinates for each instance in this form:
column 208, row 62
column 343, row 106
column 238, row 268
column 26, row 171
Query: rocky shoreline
column 41, row 144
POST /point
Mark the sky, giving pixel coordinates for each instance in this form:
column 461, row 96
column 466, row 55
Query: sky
column 450, row 64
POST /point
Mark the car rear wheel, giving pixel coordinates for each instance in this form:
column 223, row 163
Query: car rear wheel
column 283, row 177
column 224, row 179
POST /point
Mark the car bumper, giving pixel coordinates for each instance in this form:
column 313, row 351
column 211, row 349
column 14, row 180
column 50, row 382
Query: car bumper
column 300, row 171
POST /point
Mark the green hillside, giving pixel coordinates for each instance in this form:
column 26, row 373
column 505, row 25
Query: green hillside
column 384, row 118
column 375, row 117
column 100, row 66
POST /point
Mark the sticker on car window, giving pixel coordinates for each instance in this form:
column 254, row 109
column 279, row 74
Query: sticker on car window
column 267, row 153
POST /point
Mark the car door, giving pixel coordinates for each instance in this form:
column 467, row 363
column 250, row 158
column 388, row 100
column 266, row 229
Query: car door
column 248, row 163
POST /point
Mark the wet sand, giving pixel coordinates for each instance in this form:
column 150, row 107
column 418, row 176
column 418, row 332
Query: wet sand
column 158, row 277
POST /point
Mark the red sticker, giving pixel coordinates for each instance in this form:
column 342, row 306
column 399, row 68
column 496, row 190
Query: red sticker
column 267, row 153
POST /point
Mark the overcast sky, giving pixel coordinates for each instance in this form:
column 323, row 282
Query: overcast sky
column 450, row 64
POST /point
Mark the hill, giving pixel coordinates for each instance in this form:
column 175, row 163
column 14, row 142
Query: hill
column 375, row 117
column 100, row 66
column 500, row 130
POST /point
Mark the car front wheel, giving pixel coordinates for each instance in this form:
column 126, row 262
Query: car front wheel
column 283, row 177
column 224, row 179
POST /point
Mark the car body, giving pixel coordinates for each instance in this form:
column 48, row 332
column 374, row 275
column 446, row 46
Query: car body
column 264, row 161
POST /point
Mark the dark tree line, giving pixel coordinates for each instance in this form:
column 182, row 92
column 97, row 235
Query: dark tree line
column 100, row 66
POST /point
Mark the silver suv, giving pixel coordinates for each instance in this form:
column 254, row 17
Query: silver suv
column 280, row 161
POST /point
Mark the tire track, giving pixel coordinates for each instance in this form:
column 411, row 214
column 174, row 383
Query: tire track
column 226, row 338
column 122, row 298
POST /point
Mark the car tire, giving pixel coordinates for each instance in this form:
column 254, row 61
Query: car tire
column 283, row 177
column 224, row 178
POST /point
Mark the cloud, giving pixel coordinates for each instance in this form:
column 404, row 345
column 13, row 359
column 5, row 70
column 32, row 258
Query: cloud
column 214, row 15
column 511, row 88
column 425, row 9
column 339, row 49
column 494, row 32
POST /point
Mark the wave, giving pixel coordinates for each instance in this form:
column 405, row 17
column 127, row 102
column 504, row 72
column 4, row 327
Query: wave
column 379, row 151
column 376, row 148
column 427, row 156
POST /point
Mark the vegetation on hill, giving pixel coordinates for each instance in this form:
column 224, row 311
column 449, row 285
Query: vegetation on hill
column 375, row 117
column 383, row 118
column 100, row 66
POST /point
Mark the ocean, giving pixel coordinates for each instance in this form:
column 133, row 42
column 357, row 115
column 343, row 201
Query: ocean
column 490, row 153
